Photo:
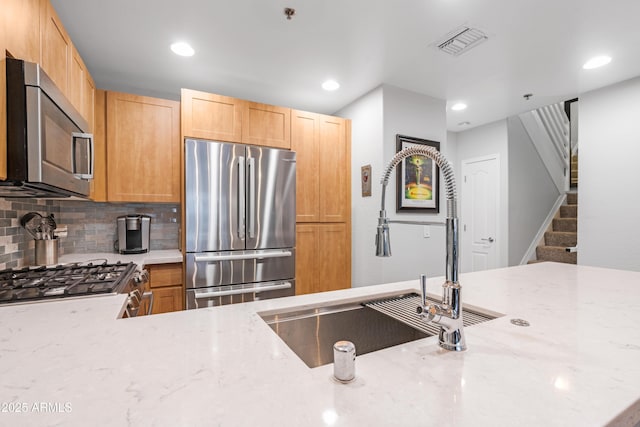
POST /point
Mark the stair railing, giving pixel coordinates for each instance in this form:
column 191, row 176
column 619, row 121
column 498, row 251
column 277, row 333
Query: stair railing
column 548, row 128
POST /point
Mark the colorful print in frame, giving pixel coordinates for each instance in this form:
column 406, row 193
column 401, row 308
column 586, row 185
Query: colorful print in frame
column 417, row 178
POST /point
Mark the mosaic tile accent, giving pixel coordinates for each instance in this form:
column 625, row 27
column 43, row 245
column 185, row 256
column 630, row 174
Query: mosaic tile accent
column 91, row 227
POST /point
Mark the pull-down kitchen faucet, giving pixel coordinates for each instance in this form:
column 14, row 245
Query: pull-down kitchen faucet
column 447, row 314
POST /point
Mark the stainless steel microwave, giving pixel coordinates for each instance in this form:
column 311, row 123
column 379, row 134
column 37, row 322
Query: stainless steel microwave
column 49, row 151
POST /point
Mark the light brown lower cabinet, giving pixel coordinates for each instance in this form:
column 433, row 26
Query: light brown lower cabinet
column 323, row 257
column 165, row 281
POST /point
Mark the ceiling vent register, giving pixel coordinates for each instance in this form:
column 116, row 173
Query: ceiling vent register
column 461, row 40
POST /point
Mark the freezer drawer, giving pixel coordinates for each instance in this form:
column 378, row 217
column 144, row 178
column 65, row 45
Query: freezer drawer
column 233, row 294
column 207, row 269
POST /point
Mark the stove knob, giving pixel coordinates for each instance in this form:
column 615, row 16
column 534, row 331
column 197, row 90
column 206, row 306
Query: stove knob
column 141, row 277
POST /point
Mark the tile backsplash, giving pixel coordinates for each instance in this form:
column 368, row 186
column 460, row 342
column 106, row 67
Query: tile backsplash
column 91, row 227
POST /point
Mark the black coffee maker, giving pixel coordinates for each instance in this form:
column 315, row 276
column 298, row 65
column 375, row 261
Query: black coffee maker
column 133, row 234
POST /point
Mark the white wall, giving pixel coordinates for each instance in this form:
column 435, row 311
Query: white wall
column 609, row 174
column 412, row 114
column 532, row 192
column 482, row 141
column 376, row 119
column 366, row 149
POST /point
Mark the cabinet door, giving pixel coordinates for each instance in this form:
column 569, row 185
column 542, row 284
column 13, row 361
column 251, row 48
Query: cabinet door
column 3, row 99
column 55, row 55
column 88, row 100
column 77, row 72
column 143, row 149
column 266, row 125
column 99, row 181
column 168, row 299
column 305, row 141
column 81, row 91
column 334, row 164
column 210, row 116
column 22, row 29
column 161, row 275
column 307, row 240
column 334, row 257
column 323, row 257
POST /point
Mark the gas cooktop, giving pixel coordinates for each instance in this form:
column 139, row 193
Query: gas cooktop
column 69, row 280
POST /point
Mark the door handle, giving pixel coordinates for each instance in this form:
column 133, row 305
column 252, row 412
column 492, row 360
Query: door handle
column 490, row 240
column 251, row 165
column 87, row 169
column 241, row 256
column 247, row 290
column 241, row 196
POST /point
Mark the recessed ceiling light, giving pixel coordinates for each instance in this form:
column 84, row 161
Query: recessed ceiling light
column 459, row 106
column 330, row 85
column 596, row 62
column 182, row 49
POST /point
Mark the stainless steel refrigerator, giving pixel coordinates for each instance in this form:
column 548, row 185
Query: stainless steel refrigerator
column 240, row 215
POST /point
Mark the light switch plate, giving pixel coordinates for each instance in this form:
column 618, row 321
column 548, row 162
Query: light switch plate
column 426, row 231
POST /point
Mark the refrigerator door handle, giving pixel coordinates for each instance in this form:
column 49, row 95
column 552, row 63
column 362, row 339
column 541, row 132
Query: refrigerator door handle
column 242, row 256
column 241, row 197
column 251, row 166
column 248, row 290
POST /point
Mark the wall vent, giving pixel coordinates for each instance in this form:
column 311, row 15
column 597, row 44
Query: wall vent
column 461, row 40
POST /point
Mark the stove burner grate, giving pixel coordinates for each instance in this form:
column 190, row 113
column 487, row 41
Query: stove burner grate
column 63, row 281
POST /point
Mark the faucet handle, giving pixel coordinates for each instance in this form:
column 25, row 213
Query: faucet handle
column 425, row 310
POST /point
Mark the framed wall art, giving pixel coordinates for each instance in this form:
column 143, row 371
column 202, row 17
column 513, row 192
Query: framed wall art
column 418, row 186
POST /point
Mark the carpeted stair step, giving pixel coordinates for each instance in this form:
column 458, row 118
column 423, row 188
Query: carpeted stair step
column 560, row 238
column 569, row 211
column 535, row 261
column 565, row 224
column 557, row 254
column 572, row 198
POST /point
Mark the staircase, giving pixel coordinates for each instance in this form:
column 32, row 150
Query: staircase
column 563, row 234
column 574, row 170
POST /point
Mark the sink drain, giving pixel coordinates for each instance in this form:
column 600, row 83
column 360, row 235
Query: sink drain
column 519, row 322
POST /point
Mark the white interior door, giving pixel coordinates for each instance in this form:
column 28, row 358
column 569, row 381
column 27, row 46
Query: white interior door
column 480, row 215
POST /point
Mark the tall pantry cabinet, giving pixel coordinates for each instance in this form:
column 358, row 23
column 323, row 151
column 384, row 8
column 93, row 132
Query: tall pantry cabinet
column 323, row 201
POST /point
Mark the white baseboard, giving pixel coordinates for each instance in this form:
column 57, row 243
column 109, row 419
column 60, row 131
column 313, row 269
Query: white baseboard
column 530, row 254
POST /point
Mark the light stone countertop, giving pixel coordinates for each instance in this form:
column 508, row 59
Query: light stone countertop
column 152, row 257
column 73, row 363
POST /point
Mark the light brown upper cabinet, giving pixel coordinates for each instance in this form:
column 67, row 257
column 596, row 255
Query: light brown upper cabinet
column 3, row 101
column 210, row 116
column 81, row 90
column 222, row 118
column 19, row 38
column 323, row 167
column 56, row 49
column 266, row 125
column 143, row 149
column 99, row 182
column 22, row 29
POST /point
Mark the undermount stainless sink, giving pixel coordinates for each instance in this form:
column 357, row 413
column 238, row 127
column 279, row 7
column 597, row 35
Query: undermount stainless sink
column 371, row 324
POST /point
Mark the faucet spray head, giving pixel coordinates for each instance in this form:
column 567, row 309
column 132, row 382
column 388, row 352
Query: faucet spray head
column 383, row 244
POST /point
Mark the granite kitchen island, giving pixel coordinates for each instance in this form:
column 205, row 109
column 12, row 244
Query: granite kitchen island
column 74, row 363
